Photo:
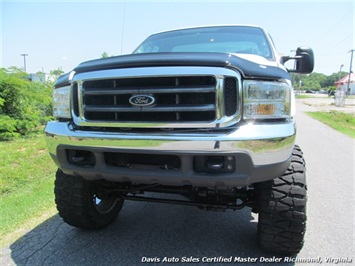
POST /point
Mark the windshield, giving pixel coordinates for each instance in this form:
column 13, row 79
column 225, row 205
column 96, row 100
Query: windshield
column 225, row 39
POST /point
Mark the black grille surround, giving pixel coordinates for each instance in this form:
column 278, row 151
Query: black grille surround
column 181, row 101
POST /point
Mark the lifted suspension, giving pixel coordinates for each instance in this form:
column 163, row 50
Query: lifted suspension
column 204, row 198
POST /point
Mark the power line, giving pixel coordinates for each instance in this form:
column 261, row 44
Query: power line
column 347, row 37
column 331, row 28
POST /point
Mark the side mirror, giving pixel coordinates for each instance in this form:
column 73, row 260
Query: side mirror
column 305, row 64
column 304, row 60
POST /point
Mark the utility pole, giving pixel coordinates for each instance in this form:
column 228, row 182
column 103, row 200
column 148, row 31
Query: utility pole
column 340, row 71
column 300, row 87
column 350, row 71
column 24, row 61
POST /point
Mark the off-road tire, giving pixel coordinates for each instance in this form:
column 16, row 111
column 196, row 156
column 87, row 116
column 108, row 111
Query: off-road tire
column 282, row 209
column 79, row 206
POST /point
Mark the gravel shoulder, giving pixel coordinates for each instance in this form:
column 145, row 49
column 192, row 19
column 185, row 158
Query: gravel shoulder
column 320, row 102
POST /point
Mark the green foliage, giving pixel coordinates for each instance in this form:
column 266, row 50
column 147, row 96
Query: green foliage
column 340, row 121
column 24, row 105
column 8, row 127
column 104, row 55
column 56, row 73
column 316, row 81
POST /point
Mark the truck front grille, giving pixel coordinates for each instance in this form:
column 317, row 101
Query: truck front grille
column 176, row 99
column 166, row 97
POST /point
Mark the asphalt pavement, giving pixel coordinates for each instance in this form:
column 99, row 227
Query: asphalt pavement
column 151, row 233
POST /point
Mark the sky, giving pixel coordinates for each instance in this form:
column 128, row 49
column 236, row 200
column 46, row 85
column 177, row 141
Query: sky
column 62, row 34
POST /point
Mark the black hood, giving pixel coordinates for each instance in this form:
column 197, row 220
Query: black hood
column 248, row 68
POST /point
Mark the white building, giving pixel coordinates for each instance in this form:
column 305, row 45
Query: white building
column 40, row 77
column 342, row 84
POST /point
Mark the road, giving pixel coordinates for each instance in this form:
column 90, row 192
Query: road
column 147, row 230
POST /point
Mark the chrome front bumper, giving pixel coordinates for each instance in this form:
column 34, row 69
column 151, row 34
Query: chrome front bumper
column 261, row 151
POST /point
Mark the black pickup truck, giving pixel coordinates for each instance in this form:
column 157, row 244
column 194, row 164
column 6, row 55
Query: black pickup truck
column 205, row 113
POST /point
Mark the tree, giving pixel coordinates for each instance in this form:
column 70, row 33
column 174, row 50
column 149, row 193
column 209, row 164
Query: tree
column 24, row 105
column 104, row 55
column 316, row 81
column 55, row 74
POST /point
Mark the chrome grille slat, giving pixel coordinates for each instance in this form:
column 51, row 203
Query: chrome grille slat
column 170, row 108
column 120, row 91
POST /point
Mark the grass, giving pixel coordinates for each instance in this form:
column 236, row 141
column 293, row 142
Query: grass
column 303, row 96
column 344, row 123
column 26, row 183
column 22, row 161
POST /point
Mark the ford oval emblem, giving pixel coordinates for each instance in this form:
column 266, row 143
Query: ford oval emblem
column 142, row 100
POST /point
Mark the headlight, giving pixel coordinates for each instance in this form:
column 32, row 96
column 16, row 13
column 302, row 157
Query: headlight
column 61, row 102
column 266, row 100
